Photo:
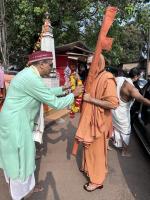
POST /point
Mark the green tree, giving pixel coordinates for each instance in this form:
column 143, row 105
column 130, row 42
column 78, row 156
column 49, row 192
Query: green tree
column 129, row 31
column 76, row 20
column 25, row 19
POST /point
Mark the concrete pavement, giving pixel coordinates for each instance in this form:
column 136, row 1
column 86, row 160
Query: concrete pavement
column 128, row 178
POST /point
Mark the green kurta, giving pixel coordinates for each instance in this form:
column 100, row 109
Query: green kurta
column 17, row 150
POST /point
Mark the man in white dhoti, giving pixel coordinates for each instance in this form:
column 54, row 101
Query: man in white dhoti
column 121, row 116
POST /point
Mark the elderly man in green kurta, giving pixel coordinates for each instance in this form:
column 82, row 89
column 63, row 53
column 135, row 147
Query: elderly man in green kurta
column 25, row 94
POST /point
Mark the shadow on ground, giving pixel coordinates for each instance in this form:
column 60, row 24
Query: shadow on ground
column 49, row 182
column 136, row 170
column 53, row 135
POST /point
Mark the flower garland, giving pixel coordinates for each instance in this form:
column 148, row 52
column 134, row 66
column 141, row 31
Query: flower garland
column 74, row 82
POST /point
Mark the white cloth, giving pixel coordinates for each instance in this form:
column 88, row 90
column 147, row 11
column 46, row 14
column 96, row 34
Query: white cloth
column 39, row 126
column 19, row 189
column 121, row 117
column 119, row 138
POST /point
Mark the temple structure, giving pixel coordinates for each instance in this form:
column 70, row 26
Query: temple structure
column 75, row 52
column 47, row 39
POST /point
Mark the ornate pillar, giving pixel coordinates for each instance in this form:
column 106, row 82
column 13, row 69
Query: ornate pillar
column 47, row 40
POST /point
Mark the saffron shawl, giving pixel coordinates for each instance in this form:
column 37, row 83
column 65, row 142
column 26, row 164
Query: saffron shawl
column 94, row 120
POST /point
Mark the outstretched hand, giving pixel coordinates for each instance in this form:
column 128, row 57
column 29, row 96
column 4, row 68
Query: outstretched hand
column 66, row 87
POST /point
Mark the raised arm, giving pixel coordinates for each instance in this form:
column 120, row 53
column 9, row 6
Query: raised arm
column 138, row 97
column 38, row 90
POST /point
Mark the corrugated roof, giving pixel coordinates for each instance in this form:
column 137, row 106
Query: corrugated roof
column 78, row 45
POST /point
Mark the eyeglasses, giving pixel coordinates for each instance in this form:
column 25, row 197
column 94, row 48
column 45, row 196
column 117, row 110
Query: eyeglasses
column 49, row 63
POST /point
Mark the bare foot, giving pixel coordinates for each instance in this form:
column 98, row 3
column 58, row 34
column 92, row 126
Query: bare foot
column 37, row 157
column 125, row 154
column 41, row 149
column 109, row 148
column 38, row 188
column 81, row 170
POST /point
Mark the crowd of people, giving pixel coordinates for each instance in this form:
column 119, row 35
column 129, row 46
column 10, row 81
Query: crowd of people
column 105, row 115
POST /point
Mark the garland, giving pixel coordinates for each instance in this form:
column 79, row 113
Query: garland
column 74, row 82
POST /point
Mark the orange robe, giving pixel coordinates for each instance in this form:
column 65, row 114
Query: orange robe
column 95, row 122
column 95, row 126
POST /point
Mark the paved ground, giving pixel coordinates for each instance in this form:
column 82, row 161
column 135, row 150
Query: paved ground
column 128, row 178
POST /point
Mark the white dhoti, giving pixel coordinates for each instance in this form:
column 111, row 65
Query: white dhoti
column 20, row 189
column 120, row 139
column 121, row 118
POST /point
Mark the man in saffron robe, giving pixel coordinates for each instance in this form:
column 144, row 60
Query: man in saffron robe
column 24, row 96
column 95, row 125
